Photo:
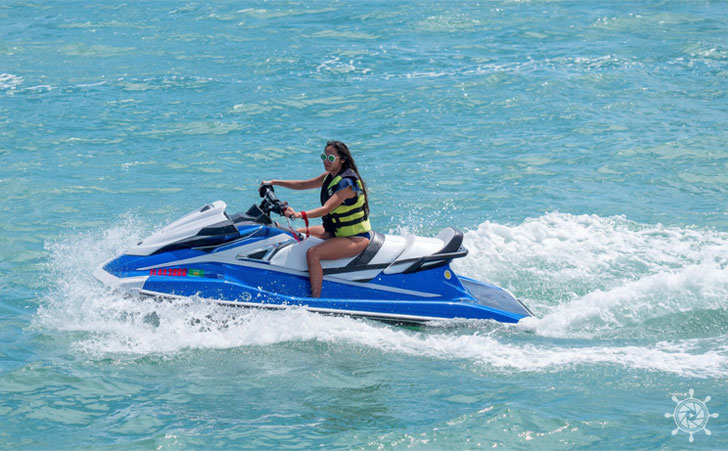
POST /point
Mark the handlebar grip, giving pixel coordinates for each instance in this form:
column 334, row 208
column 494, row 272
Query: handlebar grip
column 264, row 188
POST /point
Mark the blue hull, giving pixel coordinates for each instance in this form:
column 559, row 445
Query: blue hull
column 385, row 297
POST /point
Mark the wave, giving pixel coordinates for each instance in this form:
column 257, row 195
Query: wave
column 139, row 328
column 10, row 81
column 587, row 275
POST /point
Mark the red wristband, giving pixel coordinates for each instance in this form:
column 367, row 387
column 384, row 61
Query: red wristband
column 305, row 218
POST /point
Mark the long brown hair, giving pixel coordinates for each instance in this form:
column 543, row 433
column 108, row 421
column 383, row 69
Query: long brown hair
column 347, row 162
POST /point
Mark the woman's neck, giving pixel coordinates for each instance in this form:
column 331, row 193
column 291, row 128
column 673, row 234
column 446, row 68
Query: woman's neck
column 334, row 174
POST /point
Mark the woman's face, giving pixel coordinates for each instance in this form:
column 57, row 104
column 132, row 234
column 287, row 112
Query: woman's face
column 335, row 166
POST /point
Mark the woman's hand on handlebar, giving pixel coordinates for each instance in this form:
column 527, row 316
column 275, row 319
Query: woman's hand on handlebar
column 291, row 213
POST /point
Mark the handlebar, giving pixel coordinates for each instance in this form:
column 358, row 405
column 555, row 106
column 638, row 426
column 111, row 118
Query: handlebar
column 270, row 201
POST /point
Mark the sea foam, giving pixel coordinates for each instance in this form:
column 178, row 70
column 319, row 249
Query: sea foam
column 588, row 275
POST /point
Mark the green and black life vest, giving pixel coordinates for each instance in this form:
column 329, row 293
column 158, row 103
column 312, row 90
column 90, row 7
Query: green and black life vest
column 351, row 217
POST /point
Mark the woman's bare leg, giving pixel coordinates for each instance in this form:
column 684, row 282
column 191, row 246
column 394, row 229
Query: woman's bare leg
column 331, row 249
column 317, row 231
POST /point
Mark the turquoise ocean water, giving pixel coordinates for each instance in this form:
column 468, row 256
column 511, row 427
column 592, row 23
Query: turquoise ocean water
column 582, row 146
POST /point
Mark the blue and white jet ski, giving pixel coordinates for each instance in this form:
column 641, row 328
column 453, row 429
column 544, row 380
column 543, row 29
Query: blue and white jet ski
column 250, row 260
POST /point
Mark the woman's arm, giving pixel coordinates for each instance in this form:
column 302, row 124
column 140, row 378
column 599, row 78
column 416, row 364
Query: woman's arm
column 330, row 205
column 315, row 182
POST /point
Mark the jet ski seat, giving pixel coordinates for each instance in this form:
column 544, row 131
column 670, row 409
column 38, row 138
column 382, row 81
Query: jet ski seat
column 453, row 239
column 375, row 244
column 409, row 254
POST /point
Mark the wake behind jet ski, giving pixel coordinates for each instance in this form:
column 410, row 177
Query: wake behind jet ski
column 247, row 259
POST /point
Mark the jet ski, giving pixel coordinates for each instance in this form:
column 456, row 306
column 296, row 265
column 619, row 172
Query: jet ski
column 248, row 259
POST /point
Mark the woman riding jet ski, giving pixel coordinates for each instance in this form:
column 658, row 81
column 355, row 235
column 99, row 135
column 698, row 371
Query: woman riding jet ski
column 250, row 260
column 344, row 208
